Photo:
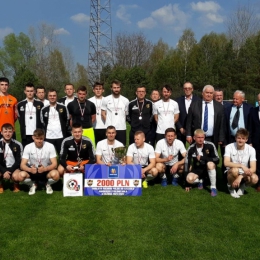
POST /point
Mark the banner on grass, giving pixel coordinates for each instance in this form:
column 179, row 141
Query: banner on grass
column 112, row 180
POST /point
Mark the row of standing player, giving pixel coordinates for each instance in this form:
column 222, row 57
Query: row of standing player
column 110, row 112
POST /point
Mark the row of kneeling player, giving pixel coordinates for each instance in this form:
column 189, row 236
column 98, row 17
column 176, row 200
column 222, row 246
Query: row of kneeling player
column 38, row 162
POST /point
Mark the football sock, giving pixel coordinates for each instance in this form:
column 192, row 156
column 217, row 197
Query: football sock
column 212, row 178
column 197, row 181
column 28, row 182
column 149, row 177
column 163, row 176
column 176, row 175
column 241, row 189
column 51, row 181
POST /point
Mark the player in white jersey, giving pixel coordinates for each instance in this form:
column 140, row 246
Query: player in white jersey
column 99, row 124
column 143, row 154
column 167, row 157
column 240, row 160
column 114, row 110
column 166, row 112
column 105, row 153
column 39, row 163
column 40, row 94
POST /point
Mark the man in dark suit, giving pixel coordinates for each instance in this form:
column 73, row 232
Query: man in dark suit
column 219, row 96
column 206, row 114
column 237, row 116
column 184, row 103
column 254, row 136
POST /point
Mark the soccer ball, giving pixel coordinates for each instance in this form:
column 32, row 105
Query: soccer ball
column 72, row 184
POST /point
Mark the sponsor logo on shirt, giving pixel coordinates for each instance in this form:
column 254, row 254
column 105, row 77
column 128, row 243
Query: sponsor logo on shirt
column 21, row 108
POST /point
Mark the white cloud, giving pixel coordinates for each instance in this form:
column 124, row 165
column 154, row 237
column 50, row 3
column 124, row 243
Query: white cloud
column 61, row 31
column 5, row 31
column 207, row 6
column 147, row 23
column 209, row 12
column 168, row 15
column 216, row 18
column 122, row 14
column 80, row 18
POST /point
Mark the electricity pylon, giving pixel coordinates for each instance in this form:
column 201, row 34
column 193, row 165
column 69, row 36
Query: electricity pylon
column 100, row 38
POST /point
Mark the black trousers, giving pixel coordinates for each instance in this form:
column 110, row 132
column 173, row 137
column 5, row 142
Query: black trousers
column 121, row 136
column 100, row 134
column 56, row 143
column 27, row 140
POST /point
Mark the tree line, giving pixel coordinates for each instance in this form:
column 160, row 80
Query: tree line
column 229, row 61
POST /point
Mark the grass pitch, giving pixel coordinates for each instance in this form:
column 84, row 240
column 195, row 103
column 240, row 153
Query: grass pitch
column 163, row 223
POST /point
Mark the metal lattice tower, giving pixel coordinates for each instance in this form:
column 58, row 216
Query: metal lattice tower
column 100, row 38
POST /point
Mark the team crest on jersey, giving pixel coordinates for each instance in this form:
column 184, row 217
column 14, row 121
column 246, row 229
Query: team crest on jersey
column 15, row 149
column 46, row 114
column 84, row 146
column 71, row 148
column 38, row 107
column 21, row 108
column 207, row 151
column 147, row 105
column 61, row 110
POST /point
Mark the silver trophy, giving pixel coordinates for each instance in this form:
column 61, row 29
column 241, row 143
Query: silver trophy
column 120, row 154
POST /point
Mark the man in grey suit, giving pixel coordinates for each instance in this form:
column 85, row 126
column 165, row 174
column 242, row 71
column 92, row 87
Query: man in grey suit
column 206, row 114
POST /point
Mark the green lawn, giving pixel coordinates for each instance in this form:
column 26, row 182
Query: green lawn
column 163, row 223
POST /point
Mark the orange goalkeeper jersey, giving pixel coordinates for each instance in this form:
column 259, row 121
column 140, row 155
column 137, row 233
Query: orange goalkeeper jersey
column 7, row 110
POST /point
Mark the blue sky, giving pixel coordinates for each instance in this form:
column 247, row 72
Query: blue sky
column 155, row 18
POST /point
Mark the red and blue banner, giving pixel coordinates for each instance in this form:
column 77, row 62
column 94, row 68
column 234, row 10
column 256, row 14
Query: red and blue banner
column 112, row 180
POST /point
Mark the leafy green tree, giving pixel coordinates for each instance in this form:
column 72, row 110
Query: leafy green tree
column 21, row 78
column 185, row 46
column 58, row 75
column 17, row 52
column 81, row 74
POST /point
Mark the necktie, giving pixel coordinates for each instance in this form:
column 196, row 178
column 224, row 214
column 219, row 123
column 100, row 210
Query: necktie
column 236, row 119
column 205, row 124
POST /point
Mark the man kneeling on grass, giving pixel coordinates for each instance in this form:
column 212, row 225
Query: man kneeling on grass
column 166, row 155
column 39, row 163
column 10, row 157
column 76, row 151
column 240, row 160
column 142, row 153
column 203, row 156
